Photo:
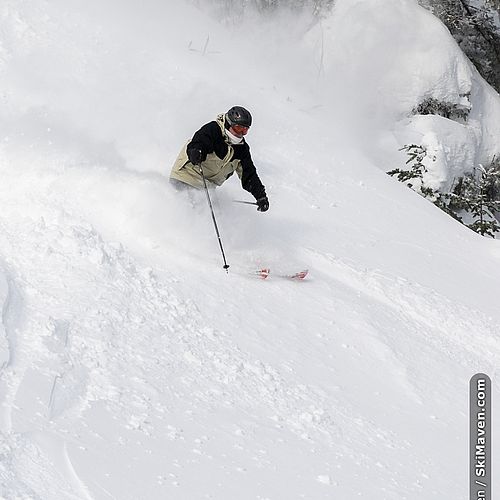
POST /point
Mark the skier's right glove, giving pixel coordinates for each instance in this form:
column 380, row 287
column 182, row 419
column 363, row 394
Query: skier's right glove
column 263, row 204
column 195, row 156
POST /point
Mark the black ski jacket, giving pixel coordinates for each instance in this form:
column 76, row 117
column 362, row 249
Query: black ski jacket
column 210, row 139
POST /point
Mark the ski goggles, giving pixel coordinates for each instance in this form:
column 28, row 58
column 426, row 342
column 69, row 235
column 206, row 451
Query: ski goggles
column 240, row 129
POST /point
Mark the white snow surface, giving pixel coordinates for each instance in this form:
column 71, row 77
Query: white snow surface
column 131, row 365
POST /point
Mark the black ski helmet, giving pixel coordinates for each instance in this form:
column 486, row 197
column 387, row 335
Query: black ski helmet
column 238, row 115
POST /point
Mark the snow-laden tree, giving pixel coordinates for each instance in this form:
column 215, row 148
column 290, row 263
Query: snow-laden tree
column 236, row 8
column 475, row 26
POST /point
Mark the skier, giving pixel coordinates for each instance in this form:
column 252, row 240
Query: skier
column 220, row 149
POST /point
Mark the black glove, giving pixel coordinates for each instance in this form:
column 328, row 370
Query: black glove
column 195, row 156
column 263, row 204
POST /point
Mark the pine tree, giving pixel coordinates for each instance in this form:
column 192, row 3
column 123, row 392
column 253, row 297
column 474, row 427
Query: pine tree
column 477, row 194
column 416, row 155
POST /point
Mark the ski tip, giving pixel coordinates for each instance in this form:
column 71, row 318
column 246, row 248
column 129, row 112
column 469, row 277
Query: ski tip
column 263, row 273
column 301, row 274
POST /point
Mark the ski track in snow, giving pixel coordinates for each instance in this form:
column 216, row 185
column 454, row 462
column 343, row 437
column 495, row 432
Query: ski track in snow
column 11, row 314
column 458, row 330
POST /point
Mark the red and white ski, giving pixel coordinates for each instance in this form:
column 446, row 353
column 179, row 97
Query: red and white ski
column 266, row 272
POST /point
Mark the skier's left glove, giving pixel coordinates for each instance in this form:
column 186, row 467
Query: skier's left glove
column 263, row 204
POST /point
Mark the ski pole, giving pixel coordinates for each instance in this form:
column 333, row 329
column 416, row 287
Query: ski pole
column 245, row 202
column 226, row 265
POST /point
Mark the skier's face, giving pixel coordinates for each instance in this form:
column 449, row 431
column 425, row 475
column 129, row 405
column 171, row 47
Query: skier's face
column 239, row 130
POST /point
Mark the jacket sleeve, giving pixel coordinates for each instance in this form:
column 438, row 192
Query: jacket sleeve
column 206, row 139
column 250, row 180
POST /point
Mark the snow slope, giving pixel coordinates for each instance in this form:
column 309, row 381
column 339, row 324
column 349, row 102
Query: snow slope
column 132, row 365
